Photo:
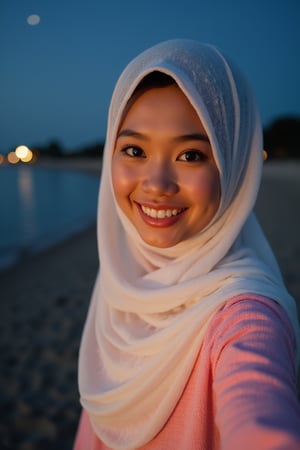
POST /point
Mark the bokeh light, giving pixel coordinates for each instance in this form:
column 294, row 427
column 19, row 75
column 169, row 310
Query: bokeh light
column 12, row 158
column 22, row 151
column 2, row 159
column 24, row 154
column 28, row 157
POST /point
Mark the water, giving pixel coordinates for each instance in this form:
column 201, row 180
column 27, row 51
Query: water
column 40, row 207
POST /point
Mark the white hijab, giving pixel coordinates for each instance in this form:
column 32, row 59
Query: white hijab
column 151, row 306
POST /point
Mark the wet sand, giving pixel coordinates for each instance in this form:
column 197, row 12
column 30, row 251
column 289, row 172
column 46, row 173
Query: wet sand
column 43, row 307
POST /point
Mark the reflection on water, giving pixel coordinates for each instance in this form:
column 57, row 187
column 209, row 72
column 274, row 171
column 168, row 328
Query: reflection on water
column 27, row 202
column 42, row 206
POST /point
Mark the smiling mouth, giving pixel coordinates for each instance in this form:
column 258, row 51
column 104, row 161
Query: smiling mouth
column 161, row 213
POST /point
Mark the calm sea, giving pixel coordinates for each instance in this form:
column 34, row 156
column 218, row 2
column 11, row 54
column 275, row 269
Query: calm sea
column 40, row 207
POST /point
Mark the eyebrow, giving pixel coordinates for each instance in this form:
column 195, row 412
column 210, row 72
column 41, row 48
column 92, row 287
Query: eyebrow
column 127, row 132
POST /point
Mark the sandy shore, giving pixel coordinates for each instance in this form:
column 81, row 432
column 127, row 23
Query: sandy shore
column 43, row 307
column 278, row 209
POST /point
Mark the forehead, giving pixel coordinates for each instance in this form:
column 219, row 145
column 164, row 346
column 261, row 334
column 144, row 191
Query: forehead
column 161, row 109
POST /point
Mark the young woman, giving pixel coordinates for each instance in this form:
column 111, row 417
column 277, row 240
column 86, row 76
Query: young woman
column 191, row 340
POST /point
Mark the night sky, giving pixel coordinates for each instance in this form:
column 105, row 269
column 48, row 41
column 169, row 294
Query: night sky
column 57, row 76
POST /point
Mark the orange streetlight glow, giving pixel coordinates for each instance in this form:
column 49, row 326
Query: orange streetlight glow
column 24, row 153
column 12, row 158
column 28, row 157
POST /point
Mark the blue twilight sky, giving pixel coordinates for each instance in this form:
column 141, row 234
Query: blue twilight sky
column 56, row 78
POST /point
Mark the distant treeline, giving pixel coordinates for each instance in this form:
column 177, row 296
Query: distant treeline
column 281, row 140
column 54, row 149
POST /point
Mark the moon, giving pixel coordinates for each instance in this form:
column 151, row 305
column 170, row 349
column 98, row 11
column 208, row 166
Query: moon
column 33, row 20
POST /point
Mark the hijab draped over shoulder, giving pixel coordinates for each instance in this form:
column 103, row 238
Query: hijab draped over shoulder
column 151, row 306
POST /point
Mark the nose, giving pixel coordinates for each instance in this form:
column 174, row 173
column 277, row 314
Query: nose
column 160, row 180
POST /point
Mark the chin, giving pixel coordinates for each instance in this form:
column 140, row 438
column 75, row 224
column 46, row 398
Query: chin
column 160, row 243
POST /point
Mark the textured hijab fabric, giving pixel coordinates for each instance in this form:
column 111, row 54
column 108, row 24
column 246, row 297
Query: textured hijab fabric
column 151, row 306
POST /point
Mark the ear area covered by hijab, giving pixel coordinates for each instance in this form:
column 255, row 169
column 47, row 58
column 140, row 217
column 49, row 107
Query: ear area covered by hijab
column 151, row 306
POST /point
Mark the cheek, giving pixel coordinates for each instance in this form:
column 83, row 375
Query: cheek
column 206, row 188
column 122, row 180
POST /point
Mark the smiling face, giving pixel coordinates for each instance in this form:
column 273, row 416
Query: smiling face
column 164, row 175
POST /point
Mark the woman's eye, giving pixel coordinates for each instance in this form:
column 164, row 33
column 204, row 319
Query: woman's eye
column 192, row 156
column 134, row 152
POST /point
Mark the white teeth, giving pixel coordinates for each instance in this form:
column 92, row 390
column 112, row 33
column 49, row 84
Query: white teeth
column 160, row 213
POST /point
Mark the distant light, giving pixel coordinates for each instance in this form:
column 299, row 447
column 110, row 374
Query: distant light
column 265, row 154
column 33, row 19
column 24, row 154
column 22, row 151
column 12, row 158
column 2, row 159
column 28, row 157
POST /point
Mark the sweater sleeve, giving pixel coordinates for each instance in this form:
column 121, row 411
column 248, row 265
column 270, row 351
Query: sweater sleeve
column 254, row 376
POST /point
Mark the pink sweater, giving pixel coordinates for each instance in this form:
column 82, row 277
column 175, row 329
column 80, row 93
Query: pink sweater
column 241, row 394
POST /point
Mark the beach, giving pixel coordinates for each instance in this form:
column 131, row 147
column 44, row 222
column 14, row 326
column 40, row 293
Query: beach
column 278, row 209
column 44, row 301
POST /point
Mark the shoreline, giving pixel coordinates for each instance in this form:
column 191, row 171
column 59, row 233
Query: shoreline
column 90, row 166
